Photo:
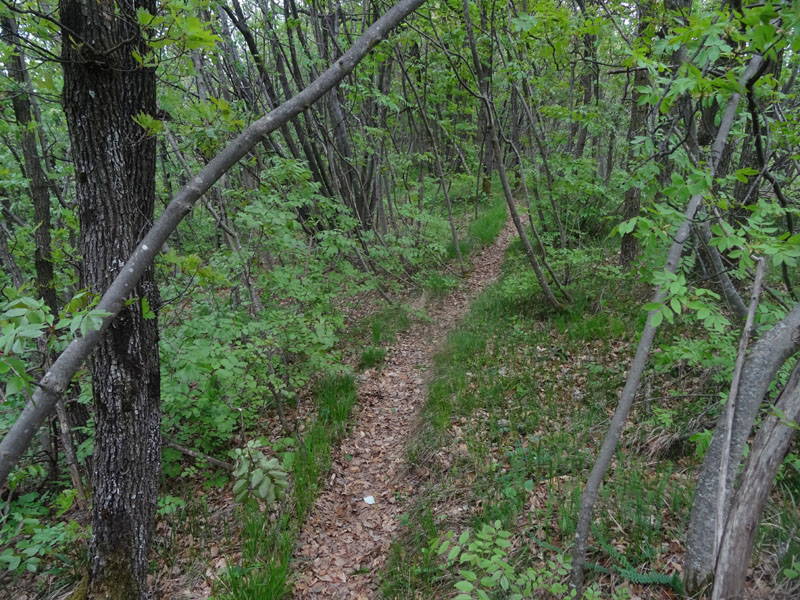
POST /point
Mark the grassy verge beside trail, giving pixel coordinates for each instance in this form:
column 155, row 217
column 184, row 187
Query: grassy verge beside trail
column 267, row 543
column 520, row 400
column 267, row 546
column 480, row 233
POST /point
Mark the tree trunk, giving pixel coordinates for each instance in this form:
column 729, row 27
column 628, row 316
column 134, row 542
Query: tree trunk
column 629, row 247
column 758, row 477
column 39, row 191
column 494, row 140
column 767, row 356
column 37, row 180
column 589, row 495
column 105, row 88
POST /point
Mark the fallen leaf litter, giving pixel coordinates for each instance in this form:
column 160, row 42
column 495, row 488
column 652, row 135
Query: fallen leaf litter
column 346, row 538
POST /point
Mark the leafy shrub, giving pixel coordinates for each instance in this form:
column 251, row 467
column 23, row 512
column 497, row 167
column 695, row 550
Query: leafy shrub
column 32, row 543
column 482, row 568
column 258, row 477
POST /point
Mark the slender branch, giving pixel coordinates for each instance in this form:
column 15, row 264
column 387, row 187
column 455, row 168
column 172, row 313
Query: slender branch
column 195, row 454
column 730, row 405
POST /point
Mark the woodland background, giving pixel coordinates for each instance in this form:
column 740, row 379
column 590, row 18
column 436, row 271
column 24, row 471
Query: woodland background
column 635, row 147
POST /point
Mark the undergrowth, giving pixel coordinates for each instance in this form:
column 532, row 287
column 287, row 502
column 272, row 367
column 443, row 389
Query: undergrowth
column 482, row 231
column 267, row 544
column 520, row 399
column 264, row 571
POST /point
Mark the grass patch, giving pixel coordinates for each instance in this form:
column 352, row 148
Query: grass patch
column 517, row 408
column 267, row 544
column 385, row 324
column 482, row 231
column 371, row 357
column 437, row 284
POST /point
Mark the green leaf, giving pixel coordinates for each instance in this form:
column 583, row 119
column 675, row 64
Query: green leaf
column 256, row 477
column 656, row 318
column 14, row 385
column 627, row 226
column 147, row 313
column 453, row 552
column 240, row 485
column 11, row 559
column 465, row 586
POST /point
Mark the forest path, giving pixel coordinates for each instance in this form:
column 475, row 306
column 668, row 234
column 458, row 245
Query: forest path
column 345, row 541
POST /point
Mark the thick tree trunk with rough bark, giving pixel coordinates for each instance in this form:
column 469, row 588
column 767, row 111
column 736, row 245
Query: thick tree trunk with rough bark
column 105, row 88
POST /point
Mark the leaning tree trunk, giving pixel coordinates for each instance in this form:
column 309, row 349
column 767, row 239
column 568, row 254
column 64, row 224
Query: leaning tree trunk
column 766, row 357
column 105, row 88
column 769, row 449
column 590, row 491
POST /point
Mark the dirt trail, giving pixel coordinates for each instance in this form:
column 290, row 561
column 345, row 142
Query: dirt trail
column 344, row 542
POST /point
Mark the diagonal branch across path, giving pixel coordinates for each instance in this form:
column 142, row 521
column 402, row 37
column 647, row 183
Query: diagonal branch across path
column 345, row 541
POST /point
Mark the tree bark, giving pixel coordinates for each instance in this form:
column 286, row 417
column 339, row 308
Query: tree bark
column 105, row 88
column 629, row 247
column 755, row 484
column 730, row 405
column 767, row 356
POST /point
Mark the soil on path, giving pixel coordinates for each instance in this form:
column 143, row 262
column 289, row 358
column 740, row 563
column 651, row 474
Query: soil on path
column 345, row 541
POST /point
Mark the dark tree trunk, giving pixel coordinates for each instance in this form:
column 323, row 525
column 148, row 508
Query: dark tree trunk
column 633, row 195
column 105, row 88
column 37, row 180
column 39, row 189
column 629, row 247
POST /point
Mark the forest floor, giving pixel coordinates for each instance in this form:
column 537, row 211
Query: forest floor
column 346, row 539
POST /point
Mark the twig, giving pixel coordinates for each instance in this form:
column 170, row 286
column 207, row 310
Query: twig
column 195, row 454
